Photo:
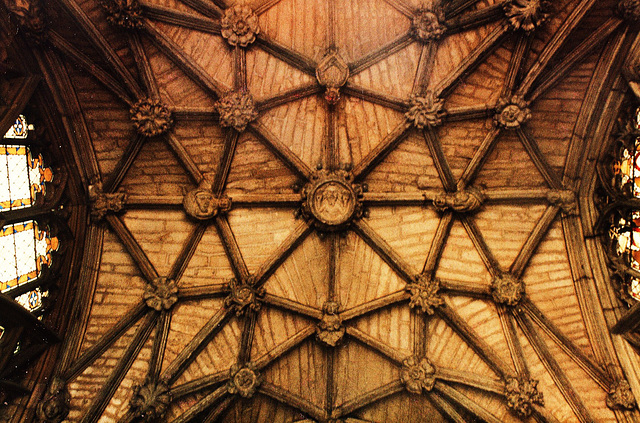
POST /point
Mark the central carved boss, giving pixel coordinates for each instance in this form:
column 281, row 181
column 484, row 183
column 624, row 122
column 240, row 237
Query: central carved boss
column 331, row 200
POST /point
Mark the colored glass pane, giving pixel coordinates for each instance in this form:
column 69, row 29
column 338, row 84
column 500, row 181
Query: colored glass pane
column 31, row 300
column 26, row 250
column 20, row 129
column 22, row 177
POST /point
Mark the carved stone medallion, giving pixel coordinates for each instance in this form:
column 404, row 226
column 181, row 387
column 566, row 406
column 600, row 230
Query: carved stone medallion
column 54, row 407
column 331, row 201
column 425, row 111
column 161, row 294
column 511, row 112
column 428, row 25
column 237, row 109
column 201, row 204
column 332, row 73
column 123, row 13
column 462, row 201
column 150, row 400
column 418, row 374
column 244, row 380
column 239, row 26
column 526, row 14
column 507, row 289
column 521, row 394
column 620, row 396
column 243, row 295
column 330, row 330
column 424, row 295
column 629, row 10
column 150, row 117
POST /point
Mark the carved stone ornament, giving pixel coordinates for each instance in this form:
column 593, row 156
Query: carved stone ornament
column 507, row 289
column 201, row 204
column 418, row 375
column 123, row 13
column 54, row 407
column 425, row 111
column 29, row 16
column 565, row 199
column 244, row 380
column 332, row 73
column 620, row 396
column 428, row 25
column 424, row 295
column 330, row 330
column 243, row 295
column 161, row 294
column 521, row 394
column 236, row 110
column 462, row 201
column 629, row 10
column 331, row 201
column 526, row 14
column 511, row 113
column 239, row 25
column 150, row 401
column 150, row 117
column 102, row 203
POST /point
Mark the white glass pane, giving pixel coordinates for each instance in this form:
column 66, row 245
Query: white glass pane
column 20, row 129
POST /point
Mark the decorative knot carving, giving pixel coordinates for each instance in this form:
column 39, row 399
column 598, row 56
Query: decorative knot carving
column 244, row 295
column 29, row 16
column 521, row 394
column 236, row 110
column 201, row 204
column 425, row 111
column 428, row 25
column 511, row 113
column 462, row 201
column 161, row 294
column 123, row 13
column 526, row 14
column 239, row 26
column 563, row 198
column 620, row 396
column 629, row 10
column 332, row 73
column 150, row 401
column 330, row 330
column 150, row 117
column 331, row 201
column 102, row 203
column 507, row 289
column 54, row 407
column 244, row 380
column 418, row 374
column 424, row 294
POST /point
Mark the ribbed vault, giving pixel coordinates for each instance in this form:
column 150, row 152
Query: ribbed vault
column 338, row 211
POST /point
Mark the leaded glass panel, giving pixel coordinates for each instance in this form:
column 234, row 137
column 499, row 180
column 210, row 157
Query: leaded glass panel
column 20, row 129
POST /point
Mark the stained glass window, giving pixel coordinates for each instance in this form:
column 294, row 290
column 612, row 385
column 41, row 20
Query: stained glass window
column 26, row 248
column 625, row 231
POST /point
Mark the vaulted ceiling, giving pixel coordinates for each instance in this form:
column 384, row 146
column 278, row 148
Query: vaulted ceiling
column 312, row 210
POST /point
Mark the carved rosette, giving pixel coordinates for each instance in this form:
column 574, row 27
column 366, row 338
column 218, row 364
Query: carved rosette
column 418, row 374
column 620, row 396
column 563, row 198
column 629, row 10
column 332, row 73
column 511, row 113
column 462, row 201
column 425, row 111
column 521, row 394
column 102, row 203
column 243, row 295
column 237, row 109
column 239, row 25
column 201, row 204
column 330, row 330
column 428, row 25
column 150, row 401
column 526, row 14
column 150, row 117
column 54, row 407
column 424, row 295
column 123, row 13
column 331, row 201
column 244, row 380
column 161, row 294
column 507, row 289
column 30, row 17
